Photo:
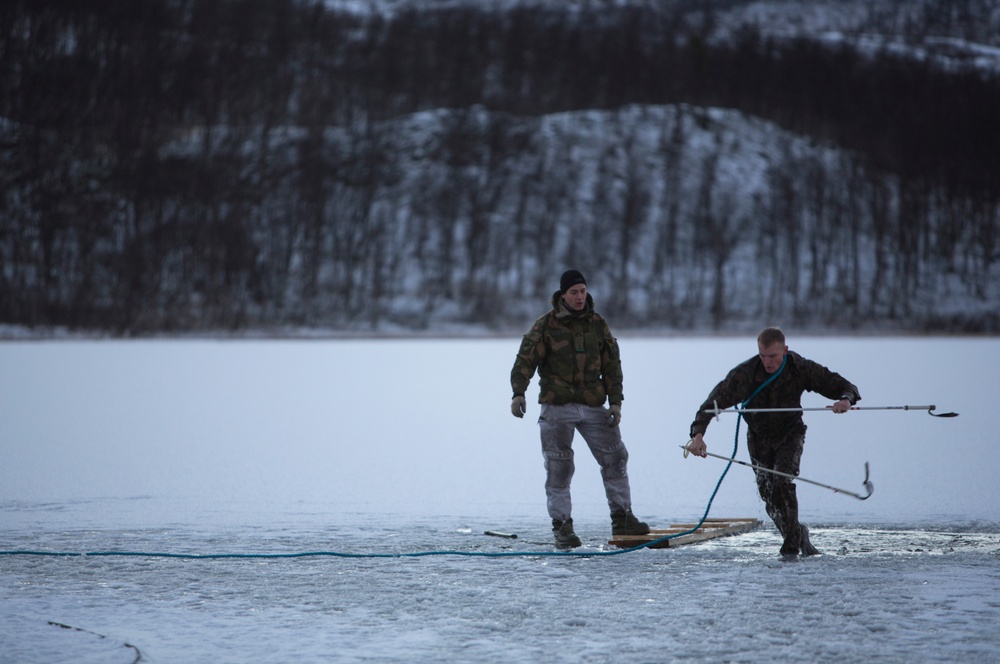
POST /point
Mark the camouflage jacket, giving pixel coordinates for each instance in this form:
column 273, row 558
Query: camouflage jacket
column 576, row 357
column 798, row 376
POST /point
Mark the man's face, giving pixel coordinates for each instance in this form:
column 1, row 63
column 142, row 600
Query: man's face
column 772, row 356
column 576, row 297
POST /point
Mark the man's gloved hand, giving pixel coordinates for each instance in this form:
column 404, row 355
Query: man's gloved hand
column 616, row 415
column 518, row 406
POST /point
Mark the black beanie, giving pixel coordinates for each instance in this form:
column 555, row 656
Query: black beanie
column 571, row 278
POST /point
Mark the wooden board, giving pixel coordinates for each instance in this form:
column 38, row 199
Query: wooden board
column 711, row 529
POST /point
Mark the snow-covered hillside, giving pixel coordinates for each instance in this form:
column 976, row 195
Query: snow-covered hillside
column 431, row 167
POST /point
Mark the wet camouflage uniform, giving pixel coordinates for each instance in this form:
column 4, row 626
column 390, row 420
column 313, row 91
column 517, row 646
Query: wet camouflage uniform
column 579, row 369
column 775, row 440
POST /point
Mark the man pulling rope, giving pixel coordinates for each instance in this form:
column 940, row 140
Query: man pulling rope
column 775, row 378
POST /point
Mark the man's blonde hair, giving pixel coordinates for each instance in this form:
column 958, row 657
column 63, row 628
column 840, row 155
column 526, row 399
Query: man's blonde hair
column 770, row 336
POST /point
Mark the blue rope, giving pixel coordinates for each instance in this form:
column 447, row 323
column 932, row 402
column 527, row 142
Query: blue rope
column 337, row 554
column 736, row 437
column 417, row 554
column 763, row 385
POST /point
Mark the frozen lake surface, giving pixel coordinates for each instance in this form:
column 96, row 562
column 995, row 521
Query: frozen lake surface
column 401, row 447
column 877, row 594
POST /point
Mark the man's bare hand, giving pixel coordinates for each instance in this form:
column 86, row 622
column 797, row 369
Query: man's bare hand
column 697, row 446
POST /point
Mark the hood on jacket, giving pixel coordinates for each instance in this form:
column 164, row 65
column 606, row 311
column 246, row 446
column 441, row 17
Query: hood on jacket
column 561, row 309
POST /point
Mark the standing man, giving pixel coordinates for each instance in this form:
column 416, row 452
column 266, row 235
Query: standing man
column 775, row 378
column 579, row 369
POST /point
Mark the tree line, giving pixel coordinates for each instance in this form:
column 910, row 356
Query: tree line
column 178, row 165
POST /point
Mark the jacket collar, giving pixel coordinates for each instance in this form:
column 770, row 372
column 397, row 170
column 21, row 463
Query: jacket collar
column 562, row 312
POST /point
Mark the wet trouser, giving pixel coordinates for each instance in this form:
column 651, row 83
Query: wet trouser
column 558, row 424
column 778, row 493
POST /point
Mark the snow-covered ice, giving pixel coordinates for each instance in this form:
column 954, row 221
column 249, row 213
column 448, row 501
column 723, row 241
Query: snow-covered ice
column 358, row 446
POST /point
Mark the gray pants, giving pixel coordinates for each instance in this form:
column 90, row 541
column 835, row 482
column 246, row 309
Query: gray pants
column 557, row 424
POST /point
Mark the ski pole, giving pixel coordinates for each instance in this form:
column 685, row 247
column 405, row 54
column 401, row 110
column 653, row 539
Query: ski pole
column 869, row 487
column 719, row 411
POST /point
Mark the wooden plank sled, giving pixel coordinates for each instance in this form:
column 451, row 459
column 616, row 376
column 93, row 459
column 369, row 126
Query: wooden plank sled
column 711, row 529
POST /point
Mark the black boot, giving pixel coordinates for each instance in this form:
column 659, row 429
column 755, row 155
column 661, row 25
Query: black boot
column 623, row 522
column 563, row 533
column 805, row 546
column 793, row 546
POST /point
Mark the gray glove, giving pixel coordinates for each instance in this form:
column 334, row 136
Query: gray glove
column 518, row 406
column 616, row 415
